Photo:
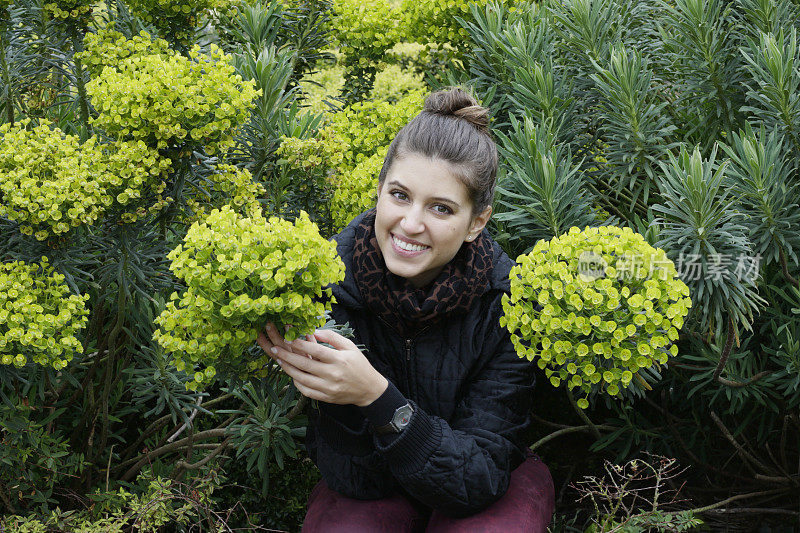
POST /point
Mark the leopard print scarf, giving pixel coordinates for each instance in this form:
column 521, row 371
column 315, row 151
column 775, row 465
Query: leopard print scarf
column 462, row 281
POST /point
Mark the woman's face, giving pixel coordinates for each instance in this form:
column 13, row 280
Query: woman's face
column 424, row 215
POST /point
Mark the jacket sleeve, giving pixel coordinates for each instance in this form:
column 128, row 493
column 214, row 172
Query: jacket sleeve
column 463, row 466
column 339, row 442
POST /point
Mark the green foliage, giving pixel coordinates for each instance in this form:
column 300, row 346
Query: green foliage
column 53, row 183
column 108, row 47
column 773, row 92
column 435, row 20
column 157, row 503
column 509, row 58
column 39, row 318
column 172, row 137
column 322, row 87
column 633, row 124
column 263, row 433
column 347, row 154
column 595, row 308
column 356, row 190
column 364, row 127
column 49, row 185
column 242, row 272
column 394, row 82
column 701, row 227
column 224, row 184
column 74, row 11
column 542, row 194
column 173, row 102
column 174, row 19
column 35, row 459
column 270, row 70
column 708, row 67
column 364, row 32
column 758, row 173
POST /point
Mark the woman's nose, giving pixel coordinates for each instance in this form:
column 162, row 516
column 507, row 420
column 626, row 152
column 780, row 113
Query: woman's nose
column 412, row 222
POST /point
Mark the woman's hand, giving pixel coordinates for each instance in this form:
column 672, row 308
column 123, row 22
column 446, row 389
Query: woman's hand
column 340, row 375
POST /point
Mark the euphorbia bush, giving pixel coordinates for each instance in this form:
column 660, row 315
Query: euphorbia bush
column 53, row 183
column 173, row 101
column 356, row 190
column 175, row 19
column 367, row 126
column 364, row 32
column 39, row 318
column 242, row 272
column 226, row 184
column 595, row 308
column 107, row 48
column 70, row 10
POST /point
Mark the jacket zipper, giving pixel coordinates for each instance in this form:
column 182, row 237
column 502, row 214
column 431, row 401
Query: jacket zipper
column 409, row 344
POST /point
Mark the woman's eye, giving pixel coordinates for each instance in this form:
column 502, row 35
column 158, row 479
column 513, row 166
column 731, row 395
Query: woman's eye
column 400, row 195
column 442, row 209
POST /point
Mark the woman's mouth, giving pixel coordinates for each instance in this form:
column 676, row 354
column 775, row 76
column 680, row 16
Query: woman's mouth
column 407, row 249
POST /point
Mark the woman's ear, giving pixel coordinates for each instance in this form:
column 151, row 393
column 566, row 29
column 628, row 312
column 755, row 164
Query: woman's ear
column 478, row 223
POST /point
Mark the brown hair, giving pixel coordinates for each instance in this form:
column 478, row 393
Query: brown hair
column 454, row 127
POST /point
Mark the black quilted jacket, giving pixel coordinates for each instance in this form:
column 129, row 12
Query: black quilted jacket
column 472, row 397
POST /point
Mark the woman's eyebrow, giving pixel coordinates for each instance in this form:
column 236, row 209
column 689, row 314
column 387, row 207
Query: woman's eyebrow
column 436, row 198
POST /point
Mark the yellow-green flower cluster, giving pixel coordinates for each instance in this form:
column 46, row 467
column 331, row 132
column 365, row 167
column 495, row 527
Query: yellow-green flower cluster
column 52, row 183
column 434, row 21
column 356, row 190
column 173, row 101
column 394, row 82
column 133, row 178
column 228, row 184
column 594, row 307
column 39, row 318
column 365, row 127
column 174, row 18
column 349, row 151
column 363, row 31
column 242, row 272
column 107, row 47
column 72, row 10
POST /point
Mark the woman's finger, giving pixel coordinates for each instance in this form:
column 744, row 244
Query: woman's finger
column 304, row 378
column 302, row 361
column 264, row 342
column 336, row 340
column 315, row 351
column 310, row 393
column 276, row 338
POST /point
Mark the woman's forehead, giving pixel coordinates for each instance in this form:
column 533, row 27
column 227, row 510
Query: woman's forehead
column 433, row 178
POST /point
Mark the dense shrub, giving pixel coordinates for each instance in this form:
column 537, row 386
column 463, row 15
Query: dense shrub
column 242, row 272
column 39, row 317
column 108, row 47
column 53, row 183
column 172, row 101
column 596, row 309
column 364, row 31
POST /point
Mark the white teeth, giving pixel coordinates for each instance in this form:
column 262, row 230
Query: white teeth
column 406, row 246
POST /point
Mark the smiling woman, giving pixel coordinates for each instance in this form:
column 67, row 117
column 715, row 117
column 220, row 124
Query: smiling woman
column 422, row 428
column 424, row 215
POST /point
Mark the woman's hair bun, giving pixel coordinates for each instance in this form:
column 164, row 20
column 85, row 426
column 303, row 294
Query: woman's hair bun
column 457, row 102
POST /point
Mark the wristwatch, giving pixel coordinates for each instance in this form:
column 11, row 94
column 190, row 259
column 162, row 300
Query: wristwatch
column 401, row 418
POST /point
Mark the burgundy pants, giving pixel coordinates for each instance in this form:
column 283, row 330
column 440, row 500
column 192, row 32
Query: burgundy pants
column 527, row 506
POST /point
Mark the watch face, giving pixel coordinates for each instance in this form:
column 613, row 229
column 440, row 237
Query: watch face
column 402, row 416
